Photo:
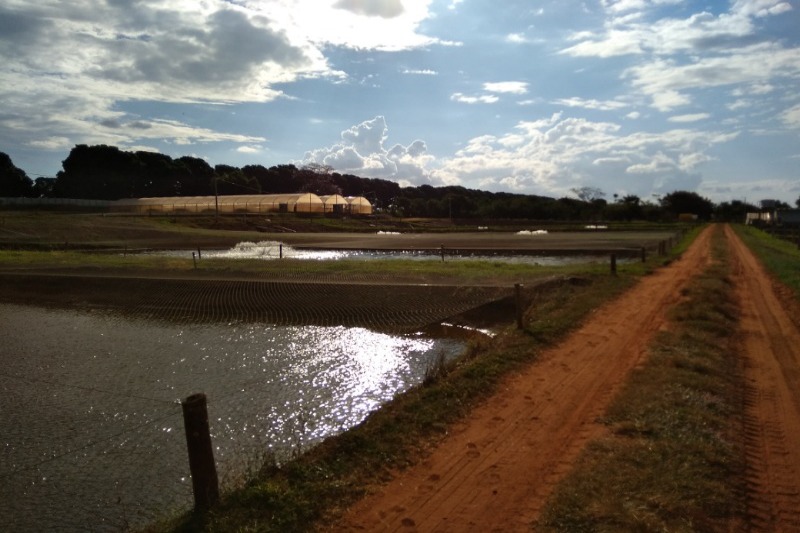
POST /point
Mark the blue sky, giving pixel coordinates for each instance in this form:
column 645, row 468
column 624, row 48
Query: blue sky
column 636, row 97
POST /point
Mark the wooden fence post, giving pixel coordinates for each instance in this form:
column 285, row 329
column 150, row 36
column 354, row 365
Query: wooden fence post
column 613, row 264
column 518, row 301
column 201, row 455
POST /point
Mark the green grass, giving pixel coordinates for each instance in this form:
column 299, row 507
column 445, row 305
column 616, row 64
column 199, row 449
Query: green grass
column 671, row 459
column 780, row 257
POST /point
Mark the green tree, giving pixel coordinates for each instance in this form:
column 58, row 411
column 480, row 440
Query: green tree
column 13, row 181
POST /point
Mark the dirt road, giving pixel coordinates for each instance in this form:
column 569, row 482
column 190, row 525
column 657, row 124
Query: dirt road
column 495, row 470
column 772, row 374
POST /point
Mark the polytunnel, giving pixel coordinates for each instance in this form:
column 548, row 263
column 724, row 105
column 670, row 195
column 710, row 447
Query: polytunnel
column 359, row 205
column 251, row 203
column 335, row 203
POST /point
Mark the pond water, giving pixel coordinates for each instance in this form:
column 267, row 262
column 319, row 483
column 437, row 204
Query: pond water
column 91, row 426
column 271, row 250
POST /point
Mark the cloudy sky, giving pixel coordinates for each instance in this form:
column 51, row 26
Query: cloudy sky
column 632, row 96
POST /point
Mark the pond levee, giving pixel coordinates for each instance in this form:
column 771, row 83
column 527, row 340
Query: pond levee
column 384, row 307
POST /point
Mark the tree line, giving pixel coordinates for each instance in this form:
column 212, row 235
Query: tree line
column 104, row 172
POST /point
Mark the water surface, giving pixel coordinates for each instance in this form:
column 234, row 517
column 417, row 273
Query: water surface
column 91, row 426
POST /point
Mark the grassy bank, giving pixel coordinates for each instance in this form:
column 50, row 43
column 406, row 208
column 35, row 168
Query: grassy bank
column 318, row 485
column 780, row 257
column 671, row 458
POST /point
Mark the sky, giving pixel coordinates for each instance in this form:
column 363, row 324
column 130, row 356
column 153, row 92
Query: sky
column 634, row 97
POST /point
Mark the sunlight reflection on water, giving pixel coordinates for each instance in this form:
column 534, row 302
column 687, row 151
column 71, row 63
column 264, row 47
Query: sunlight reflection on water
column 271, row 250
column 91, row 428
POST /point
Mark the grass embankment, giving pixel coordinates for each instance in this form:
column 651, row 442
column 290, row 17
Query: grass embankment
column 672, row 458
column 779, row 256
column 318, row 485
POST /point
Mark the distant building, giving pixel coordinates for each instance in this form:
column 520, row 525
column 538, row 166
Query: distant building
column 253, row 203
column 789, row 217
column 779, row 217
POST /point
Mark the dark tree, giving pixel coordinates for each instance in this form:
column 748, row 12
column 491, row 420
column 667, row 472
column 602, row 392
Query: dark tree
column 685, row 202
column 588, row 194
column 43, row 187
column 734, row 211
column 13, row 181
column 98, row 173
column 231, row 180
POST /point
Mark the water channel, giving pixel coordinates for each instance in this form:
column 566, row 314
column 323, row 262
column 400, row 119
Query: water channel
column 91, row 426
column 271, row 250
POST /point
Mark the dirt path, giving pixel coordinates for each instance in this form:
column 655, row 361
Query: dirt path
column 495, row 471
column 772, row 373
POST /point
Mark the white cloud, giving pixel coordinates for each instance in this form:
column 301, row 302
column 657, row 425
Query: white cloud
column 507, row 87
column 372, row 8
column 517, row 38
column 791, row 117
column 614, row 43
column 250, row 149
column 549, row 156
column 365, row 24
column 421, row 72
column 480, row 99
column 362, row 150
column 761, row 8
column 694, row 117
column 67, row 68
column 667, row 83
column 606, row 105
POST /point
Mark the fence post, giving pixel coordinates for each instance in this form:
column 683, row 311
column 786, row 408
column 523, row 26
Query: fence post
column 201, row 455
column 194, row 259
column 613, row 264
column 518, row 301
column 280, row 251
column 199, row 256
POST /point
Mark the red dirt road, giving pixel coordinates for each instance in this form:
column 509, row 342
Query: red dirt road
column 772, row 388
column 495, row 471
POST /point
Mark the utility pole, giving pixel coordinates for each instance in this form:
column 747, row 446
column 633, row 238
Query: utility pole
column 216, row 200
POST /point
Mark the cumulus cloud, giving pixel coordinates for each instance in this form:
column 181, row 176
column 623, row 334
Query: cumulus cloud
column 362, row 151
column 551, row 155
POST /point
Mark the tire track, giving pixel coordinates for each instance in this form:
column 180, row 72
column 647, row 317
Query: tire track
column 770, row 341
